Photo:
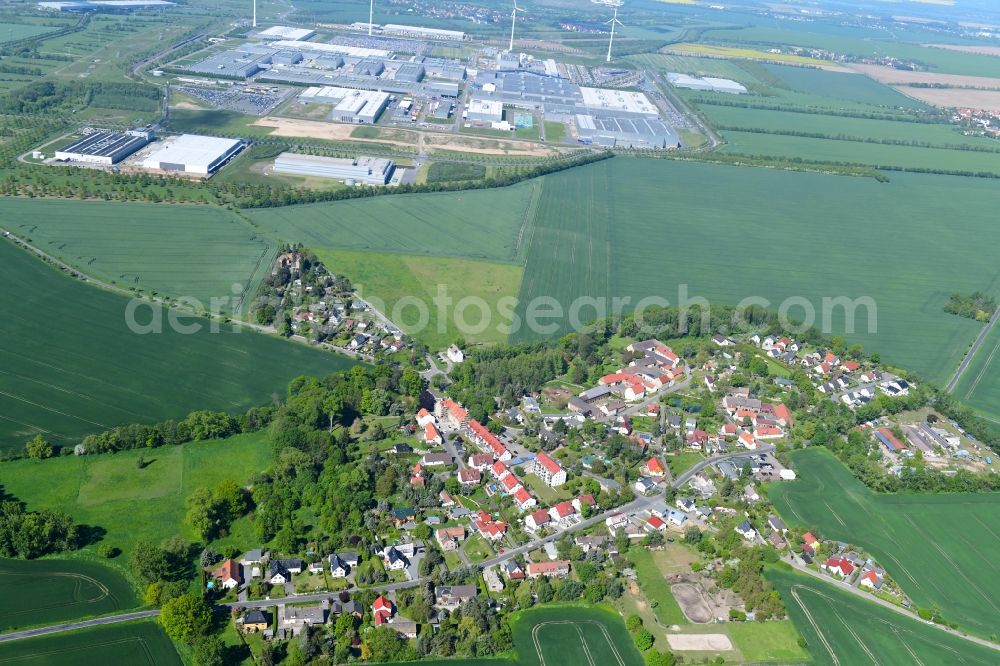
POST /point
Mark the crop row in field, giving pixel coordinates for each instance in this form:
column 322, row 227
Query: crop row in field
column 102, row 490
column 70, row 364
column 809, row 149
column 942, row 136
column 478, row 224
column 852, row 41
column 193, row 252
column 937, row 547
column 980, row 384
column 49, row 591
column 134, row 643
column 840, row 85
column 728, row 233
column 409, row 285
column 841, row 628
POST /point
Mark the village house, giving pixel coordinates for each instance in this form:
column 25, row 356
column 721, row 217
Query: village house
column 469, row 476
column 449, row 538
column 297, row 618
column 746, row 530
column 254, row 620
column 839, row 566
column 524, row 499
column 557, row 568
column 653, row 467
column 229, row 574
column 537, row 519
column 450, row 597
column 562, row 512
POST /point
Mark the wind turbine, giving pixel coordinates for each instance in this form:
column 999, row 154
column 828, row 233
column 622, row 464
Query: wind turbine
column 371, row 15
column 513, row 19
column 254, row 13
column 614, row 20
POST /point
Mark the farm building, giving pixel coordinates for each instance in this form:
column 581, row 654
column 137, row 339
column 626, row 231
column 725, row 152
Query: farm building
column 286, row 32
column 104, row 147
column 485, row 110
column 366, row 170
column 190, row 153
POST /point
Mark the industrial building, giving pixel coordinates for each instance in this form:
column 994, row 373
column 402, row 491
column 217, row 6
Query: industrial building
column 104, row 147
column 528, row 90
column 286, row 32
column 369, row 67
column 365, row 170
column 318, row 48
column 484, row 110
column 286, row 58
column 193, row 154
column 423, row 33
column 619, row 102
column 625, row 131
column 350, row 105
column 236, row 64
column 706, row 83
column 410, row 71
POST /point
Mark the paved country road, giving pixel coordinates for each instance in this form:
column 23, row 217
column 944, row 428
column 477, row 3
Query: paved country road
column 969, row 355
column 73, row 626
column 799, row 566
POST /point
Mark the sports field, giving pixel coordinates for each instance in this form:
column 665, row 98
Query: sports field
column 730, row 233
column 980, row 384
column 134, row 644
column 70, row 365
column 939, row 548
column 183, row 251
column 392, row 278
column 477, row 224
column 100, row 490
column 842, row 629
column 50, row 591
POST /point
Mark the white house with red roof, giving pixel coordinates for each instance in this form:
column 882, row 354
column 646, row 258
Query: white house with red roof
column 655, row 523
column 511, row 484
column 382, row 610
column 489, row 528
column 562, row 511
column 488, row 441
column 524, row 499
column 499, row 470
column 768, row 432
column 783, row 415
column 537, row 519
column 653, row 467
column 871, row 579
column 628, row 386
column 587, row 499
column 548, row 470
column 431, row 435
column 451, row 413
column 747, row 440
column 839, row 566
column 424, row 417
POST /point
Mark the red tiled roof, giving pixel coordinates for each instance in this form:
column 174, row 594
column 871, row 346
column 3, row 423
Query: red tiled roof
column 655, row 522
column 510, row 482
column 431, row 433
column 548, row 463
column 540, row 517
column 587, row 499
column 564, row 509
column 654, row 466
column 522, row 496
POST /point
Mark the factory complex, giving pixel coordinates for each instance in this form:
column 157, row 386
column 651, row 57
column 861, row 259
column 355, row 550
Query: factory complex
column 106, row 148
column 192, row 154
column 356, row 171
column 708, row 83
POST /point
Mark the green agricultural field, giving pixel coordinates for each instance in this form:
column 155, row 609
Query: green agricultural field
column 477, row 224
column 937, row 547
column 729, row 233
column 70, row 365
column 391, row 278
column 980, row 383
column 50, row 591
column 841, row 86
column 12, row 32
column 941, row 136
column 135, row 644
column 656, row 590
column 183, row 251
column 101, row 491
column 774, row 641
column 693, row 65
column 841, row 628
column 855, row 152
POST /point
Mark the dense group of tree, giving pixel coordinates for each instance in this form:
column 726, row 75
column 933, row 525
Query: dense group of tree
column 55, row 97
column 977, row 305
column 30, row 534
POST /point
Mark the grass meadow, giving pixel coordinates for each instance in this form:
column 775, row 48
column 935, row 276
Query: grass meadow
column 937, row 547
column 12, row 32
column 135, row 643
column 738, row 52
column 655, row 588
column 102, row 490
column 392, row 277
column 188, row 251
column 840, row 86
column 49, row 591
column 841, row 628
column 70, row 365
column 980, row 383
column 730, row 233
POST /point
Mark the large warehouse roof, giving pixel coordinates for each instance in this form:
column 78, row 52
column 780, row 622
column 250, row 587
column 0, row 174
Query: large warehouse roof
column 196, row 153
column 286, row 32
column 355, row 51
column 622, row 101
